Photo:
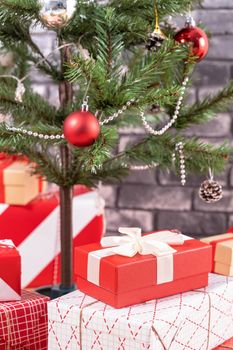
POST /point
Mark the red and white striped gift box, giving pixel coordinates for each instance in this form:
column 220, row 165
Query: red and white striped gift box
column 197, row 320
column 23, row 324
column 10, row 271
column 34, row 228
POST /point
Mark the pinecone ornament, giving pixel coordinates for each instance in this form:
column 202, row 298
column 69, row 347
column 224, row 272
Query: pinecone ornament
column 155, row 40
column 210, row 191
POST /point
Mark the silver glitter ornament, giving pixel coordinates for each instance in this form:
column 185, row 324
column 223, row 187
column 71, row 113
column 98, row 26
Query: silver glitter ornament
column 56, row 14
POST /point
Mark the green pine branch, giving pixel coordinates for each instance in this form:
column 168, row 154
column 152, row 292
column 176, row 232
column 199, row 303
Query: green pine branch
column 32, row 109
column 201, row 112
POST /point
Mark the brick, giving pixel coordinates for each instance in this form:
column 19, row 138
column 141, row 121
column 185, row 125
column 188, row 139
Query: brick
column 142, row 177
column 231, row 177
column 153, row 197
column 129, row 218
column 217, row 21
column 38, row 29
column 192, row 223
column 167, row 179
column 204, row 73
column 53, row 95
column 109, row 193
column 224, row 205
column 132, row 131
column 37, row 77
column 219, row 126
column 230, row 222
column 217, row 4
column 209, row 91
column 221, row 47
column 42, row 90
column 45, row 41
column 190, row 96
column 125, row 140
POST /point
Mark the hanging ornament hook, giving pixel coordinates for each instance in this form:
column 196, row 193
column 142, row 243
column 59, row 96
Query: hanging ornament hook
column 211, row 174
column 85, row 106
column 190, row 21
column 157, row 29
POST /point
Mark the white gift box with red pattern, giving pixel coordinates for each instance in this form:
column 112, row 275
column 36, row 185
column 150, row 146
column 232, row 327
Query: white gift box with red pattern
column 34, row 228
column 196, row 320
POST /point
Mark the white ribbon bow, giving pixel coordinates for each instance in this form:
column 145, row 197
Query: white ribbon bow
column 133, row 242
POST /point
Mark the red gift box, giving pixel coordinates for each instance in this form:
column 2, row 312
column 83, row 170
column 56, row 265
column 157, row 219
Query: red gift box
column 122, row 281
column 23, row 324
column 10, row 272
column 34, row 228
column 227, row 345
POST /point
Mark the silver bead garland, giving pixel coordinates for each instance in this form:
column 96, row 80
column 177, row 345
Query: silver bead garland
column 160, row 132
column 35, row 134
column 179, row 148
column 119, row 112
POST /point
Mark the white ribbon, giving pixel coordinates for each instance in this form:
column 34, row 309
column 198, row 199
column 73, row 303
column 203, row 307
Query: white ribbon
column 132, row 243
column 6, row 243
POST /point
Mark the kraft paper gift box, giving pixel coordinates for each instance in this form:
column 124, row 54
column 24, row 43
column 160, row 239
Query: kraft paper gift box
column 17, row 185
column 196, row 320
column 24, row 324
column 158, row 271
column 10, row 272
column 222, row 253
column 35, row 230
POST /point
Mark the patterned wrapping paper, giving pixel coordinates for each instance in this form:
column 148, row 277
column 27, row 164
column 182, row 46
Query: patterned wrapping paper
column 23, row 324
column 197, row 320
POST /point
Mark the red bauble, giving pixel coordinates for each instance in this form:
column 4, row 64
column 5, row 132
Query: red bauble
column 81, row 128
column 197, row 38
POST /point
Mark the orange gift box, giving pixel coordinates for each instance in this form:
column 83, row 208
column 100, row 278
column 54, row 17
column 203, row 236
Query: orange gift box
column 122, row 281
column 17, row 185
column 222, row 253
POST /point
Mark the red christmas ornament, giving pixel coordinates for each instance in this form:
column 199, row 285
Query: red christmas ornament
column 194, row 36
column 81, row 128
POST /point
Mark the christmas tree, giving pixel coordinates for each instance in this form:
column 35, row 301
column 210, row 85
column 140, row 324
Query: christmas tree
column 133, row 74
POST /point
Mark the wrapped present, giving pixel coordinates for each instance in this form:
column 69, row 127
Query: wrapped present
column 222, row 253
column 196, row 320
column 24, row 324
column 135, row 268
column 10, row 271
column 17, row 185
column 34, row 228
column 227, row 345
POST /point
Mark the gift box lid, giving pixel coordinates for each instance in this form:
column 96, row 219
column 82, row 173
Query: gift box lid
column 18, row 174
column 200, row 319
column 120, row 274
column 23, row 322
column 223, row 247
